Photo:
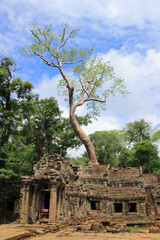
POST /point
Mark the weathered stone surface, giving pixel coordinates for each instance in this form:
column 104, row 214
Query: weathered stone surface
column 154, row 230
column 97, row 226
column 61, row 191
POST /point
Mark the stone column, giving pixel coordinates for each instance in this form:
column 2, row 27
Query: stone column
column 32, row 207
column 25, row 205
column 53, row 204
column 23, row 200
column 59, row 204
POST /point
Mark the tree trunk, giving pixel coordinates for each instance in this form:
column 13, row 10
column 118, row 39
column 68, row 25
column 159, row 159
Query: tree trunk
column 83, row 137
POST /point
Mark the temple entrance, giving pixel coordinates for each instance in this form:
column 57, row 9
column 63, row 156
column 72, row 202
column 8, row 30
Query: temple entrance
column 44, row 201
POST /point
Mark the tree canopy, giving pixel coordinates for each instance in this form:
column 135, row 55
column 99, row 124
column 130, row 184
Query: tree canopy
column 107, row 145
column 136, row 144
column 29, row 128
column 92, row 79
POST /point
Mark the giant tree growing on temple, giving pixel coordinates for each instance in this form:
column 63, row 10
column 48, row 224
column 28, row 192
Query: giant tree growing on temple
column 88, row 80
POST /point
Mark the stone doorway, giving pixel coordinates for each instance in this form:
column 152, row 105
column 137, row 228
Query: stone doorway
column 42, row 212
column 46, row 200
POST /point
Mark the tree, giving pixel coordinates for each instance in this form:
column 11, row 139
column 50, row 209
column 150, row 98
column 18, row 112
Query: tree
column 15, row 100
column 107, row 146
column 146, row 155
column 48, row 130
column 45, row 126
column 138, row 131
column 66, row 138
column 156, row 136
column 15, row 108
column 90, row 75
column 125, row 158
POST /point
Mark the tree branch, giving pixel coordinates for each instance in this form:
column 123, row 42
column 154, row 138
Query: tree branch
column 95, row 99
column 36, row 36
column 64, row 41
column 89, row 94
column 52, row 64
column 72, row 62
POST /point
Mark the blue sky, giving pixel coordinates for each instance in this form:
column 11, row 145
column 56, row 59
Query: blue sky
column 126, row 32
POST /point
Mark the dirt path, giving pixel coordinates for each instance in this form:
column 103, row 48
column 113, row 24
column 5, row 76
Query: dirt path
column 98, row 236
column 17, row 231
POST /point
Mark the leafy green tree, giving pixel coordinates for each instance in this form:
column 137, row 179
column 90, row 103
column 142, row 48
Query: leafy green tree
column 83, row 160
column 15, row 108
column 45, row 126
column 15, row 99
column 126, row 148
column 156, row 136
column 146, row 155
column 137, row 131
column 125, row 158
column 92, row 81
column 48, row 131
column 107, row 146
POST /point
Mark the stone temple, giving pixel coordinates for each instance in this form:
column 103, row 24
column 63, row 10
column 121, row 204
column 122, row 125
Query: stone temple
column 59, row 190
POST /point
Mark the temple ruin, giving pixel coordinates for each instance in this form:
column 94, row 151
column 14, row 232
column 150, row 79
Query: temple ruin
column 60, row 190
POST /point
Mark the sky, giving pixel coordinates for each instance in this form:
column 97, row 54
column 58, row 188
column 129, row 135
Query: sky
column 126, row 32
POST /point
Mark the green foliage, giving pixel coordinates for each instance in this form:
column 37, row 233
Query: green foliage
column 125, row 158
column 45, row 117
column 146, row 155
column 93, row 82
column 137, row 131
column 107, row 145
column 15, row 95
column 15, row 108
column 54, row 47
column 19, row 159
column 156, row 136
column 80, row 160
column 29, row 128
column 126, row 148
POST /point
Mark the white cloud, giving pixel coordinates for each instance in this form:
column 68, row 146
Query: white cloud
column 47, row 87
column 97, row 19
column 142, row 77
column 124, row 12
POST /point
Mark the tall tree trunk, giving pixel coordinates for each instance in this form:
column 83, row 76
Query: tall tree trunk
column 83, row 137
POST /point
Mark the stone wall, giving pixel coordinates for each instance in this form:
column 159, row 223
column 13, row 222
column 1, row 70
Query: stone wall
column 60, row 190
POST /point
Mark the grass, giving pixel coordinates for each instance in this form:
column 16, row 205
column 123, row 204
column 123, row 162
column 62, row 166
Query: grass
column 134, row 229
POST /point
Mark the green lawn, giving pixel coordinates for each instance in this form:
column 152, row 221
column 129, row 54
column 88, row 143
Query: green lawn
column 134, row 229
